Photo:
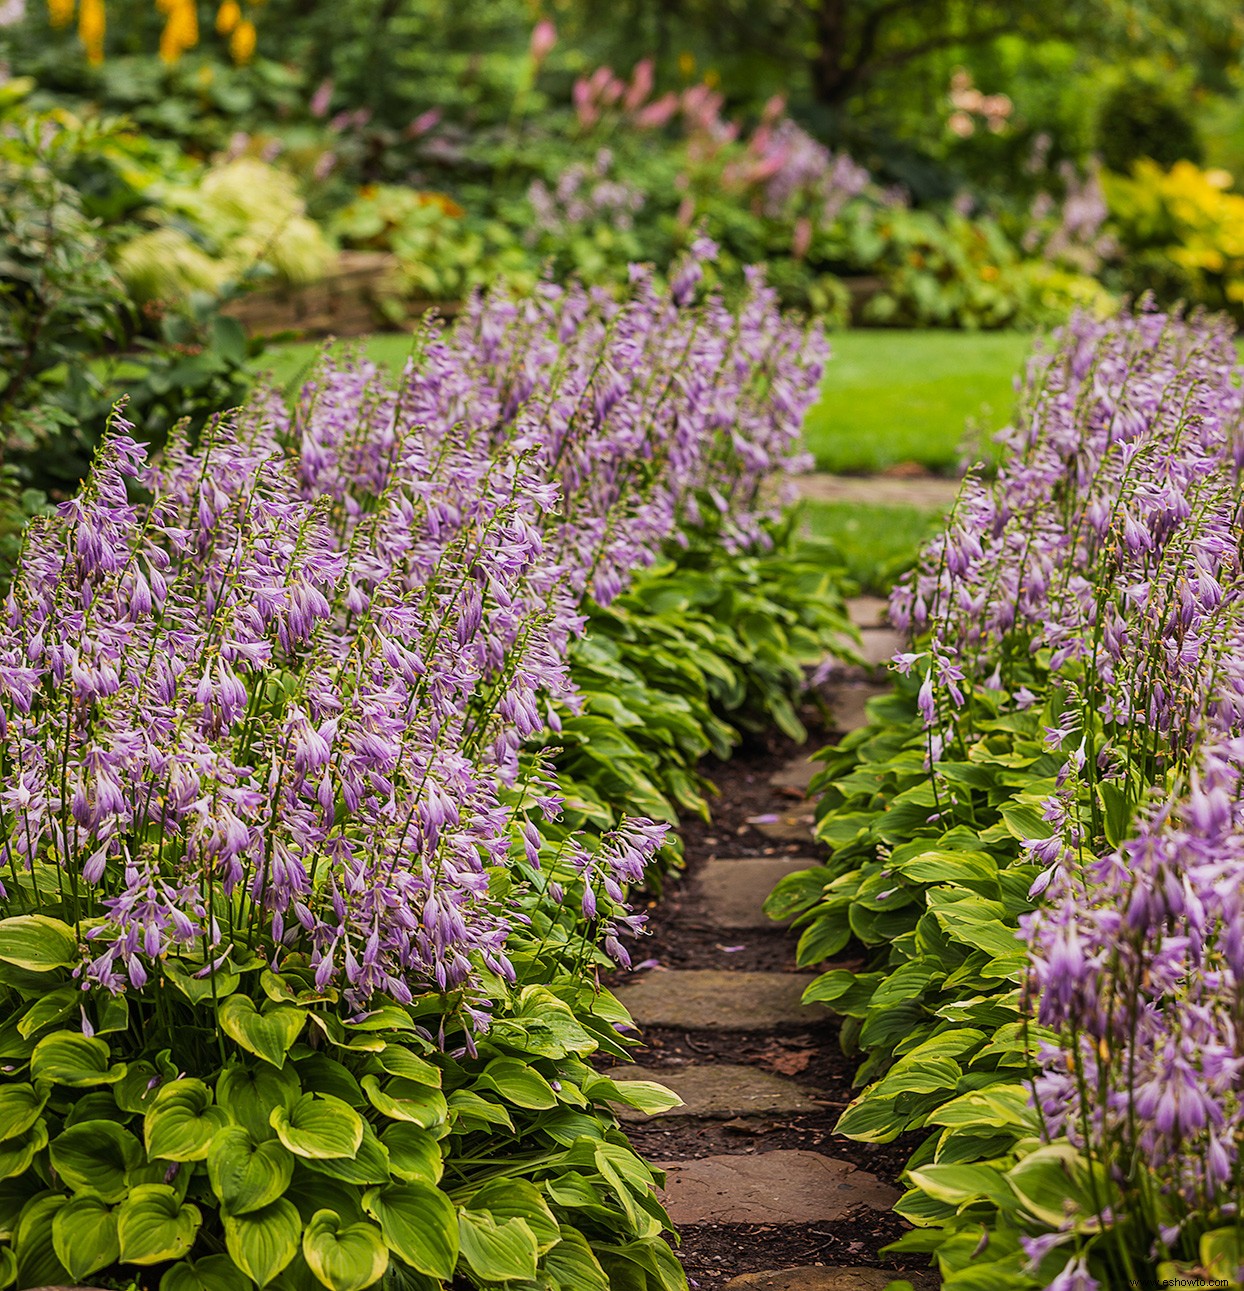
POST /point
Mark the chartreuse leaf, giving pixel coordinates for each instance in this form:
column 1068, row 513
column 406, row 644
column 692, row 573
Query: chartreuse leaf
column 344, row 1257
column 419, row 1225
column 84, row 1235
column 404, row 1100
column 268, row 1035
column 643, row 1095
column 518, row 1199
column 36, row 943
column 263, row 1242
column 154, row 1225
column 369, row 1165
column 8, row 1266
column 96, row 1155
column 399, row 1061
column 211, row 1273
column 37, row 1262
column 181, row 1121
column 572, row 1265
column 414, row 1153
column 959, row 1184
column 17, row 1153
column 319, row 1126
column 518, row 1083
column 68, row 1058
column 497, row 1250
column 49, row 1009
column 244, row 1175
column 251, row 1095
column 20, row 1108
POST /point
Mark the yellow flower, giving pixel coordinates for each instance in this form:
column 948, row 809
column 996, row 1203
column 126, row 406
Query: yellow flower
column 228, row 16
column 181, row 31
column 60, row 12
column 242, row 42
column 91, row 26
column 686, row 63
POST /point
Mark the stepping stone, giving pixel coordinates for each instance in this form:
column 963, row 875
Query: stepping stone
column 716, row 999
column 783, row 1187
column 880, row 645
column 734, row 891
column 815, row 1277
column 927, row 492
column 867, row 611
column 722, row 1091
column 795, row 776
column 785, row 826
column 848, row 703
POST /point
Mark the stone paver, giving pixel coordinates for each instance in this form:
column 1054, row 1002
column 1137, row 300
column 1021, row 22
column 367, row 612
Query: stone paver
column 788, row 1186
column 867, row 611
column 814, row 1277
column 879, row 645
column 796, row 775
column 847, row 703
column 734, row 891
column 722, row 1091
column 717, row 999
column 928, row 492
column 785, row 826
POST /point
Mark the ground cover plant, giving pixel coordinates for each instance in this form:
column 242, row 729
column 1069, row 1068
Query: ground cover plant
column 1037, row 837
column 299, row 963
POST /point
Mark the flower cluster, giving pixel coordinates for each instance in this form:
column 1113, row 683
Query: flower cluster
column 278, row 707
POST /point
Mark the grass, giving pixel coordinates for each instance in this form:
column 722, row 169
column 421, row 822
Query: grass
column 873, row 544
column 902, row 396
column 890, row 396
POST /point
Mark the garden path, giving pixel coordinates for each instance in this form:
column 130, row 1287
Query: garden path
column 763, row 1194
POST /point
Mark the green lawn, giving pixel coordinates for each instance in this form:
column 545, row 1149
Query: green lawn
column 873, row 544
column 890, row 396
column 901, row 396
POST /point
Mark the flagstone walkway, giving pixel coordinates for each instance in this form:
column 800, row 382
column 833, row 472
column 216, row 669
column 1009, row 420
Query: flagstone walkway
column 764, row 1195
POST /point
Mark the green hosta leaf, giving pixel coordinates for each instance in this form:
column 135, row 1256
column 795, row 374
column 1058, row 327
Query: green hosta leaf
column 268, row 1035
column 518, row 1199
column 68, row 1058
column 518, row 1083
column 181, row 1121
column 572, row 1265
column 403, row 1100
column 1052, row 1184
column 263, row 1242
column 136, row 1090
column 959, row 1184
column 251, row 1096
column 36, row 943
column 399, row 1061
column 871, row 1120
column 17, row 1153
column 37, row 1262
column 468, row 1106
column 51, row 1008
column 369, row 1165
column 643, row 1095
column 419, row 1225
column 344, row 1257
column 8, row 1266
column 211, row 1273
column 246, row 1176
column 96, row 1155
column 155, row 1225
column 20, row 1108
column 935, row 866
column 1025, row 821
column 497, row 1251
column 84, row 1235
column 414, row 1153
column 320, row 1126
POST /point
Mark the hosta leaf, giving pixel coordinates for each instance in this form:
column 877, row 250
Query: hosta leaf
column 419, row 1225
column 20, row 1108
column 399, row 1061
column 320, row 1126
column 49, row 1009
column 96, row 1155
column 68, row 1058
column 37, row 1262
column 181, row 1121
column 268, row 1035
column 344, row 1257
column 643, row 1095
column 211, row 1273
column 572, row 1265
column 518, row 1199
column 84, row 1235
column 402, row 1100
column 251, row 1095
column 369, row 1165
column 155, row 1225
column 17, row 1153
column 497, row 1250
column 518, row 1083
column 414, row 1153
column 246, row 1176
column 36, row 943
column 263, row 1242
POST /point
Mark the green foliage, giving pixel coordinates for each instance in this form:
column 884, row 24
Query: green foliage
column 1139, row 119
column 313, row 1148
